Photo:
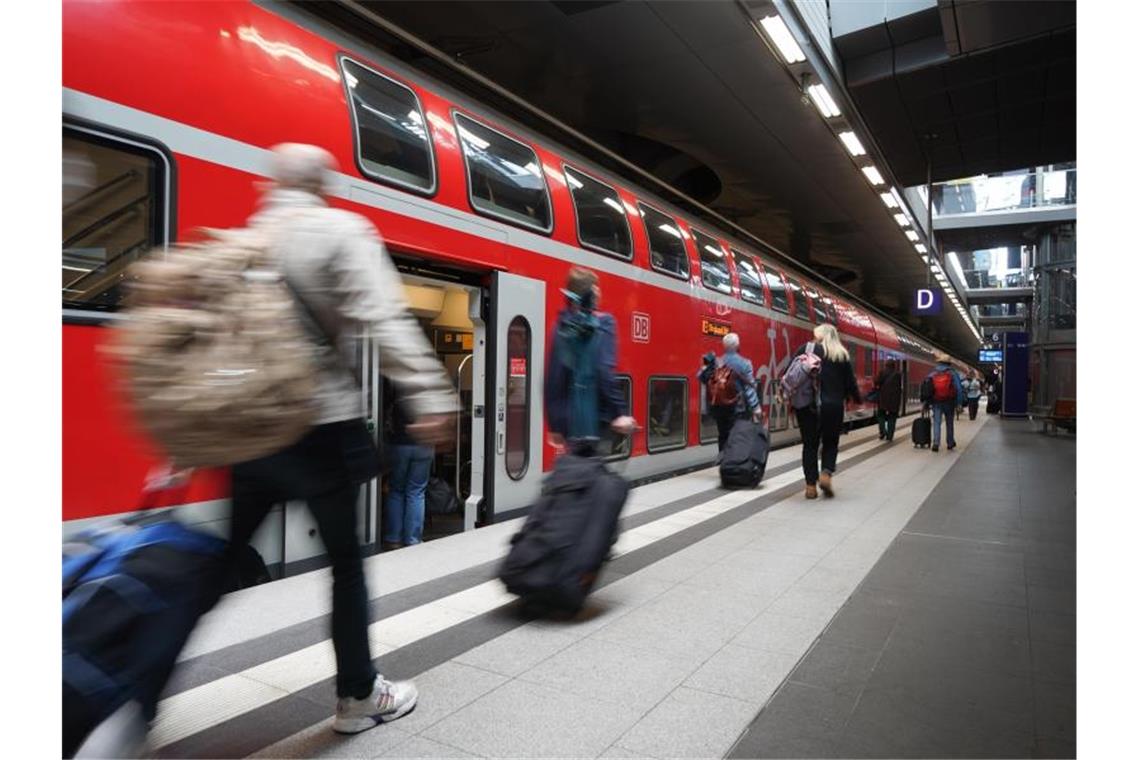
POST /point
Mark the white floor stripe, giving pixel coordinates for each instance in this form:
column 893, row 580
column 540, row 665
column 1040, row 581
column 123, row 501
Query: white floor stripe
column 191, row 711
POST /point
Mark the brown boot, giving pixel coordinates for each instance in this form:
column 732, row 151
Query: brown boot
column 825, row 483
column 810, row 492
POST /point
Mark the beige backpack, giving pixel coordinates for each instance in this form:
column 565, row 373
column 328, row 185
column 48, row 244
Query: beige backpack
column 213, row 355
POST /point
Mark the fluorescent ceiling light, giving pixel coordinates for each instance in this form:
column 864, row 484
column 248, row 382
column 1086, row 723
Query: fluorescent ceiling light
column 920, row 248
column 670, row 229
column 851, row 142
column 823, row 101
column 889, row 200
column 781, row 37
column 872, row 175
column 912, row 236
column 902, row 220
column 614, row 205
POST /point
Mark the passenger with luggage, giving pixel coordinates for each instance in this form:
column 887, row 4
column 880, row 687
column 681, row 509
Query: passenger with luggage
column 817, row 383
column 338, row 283
column 973, row 388
column 555, row 558
column 730, row 388
column 942, row 393
column 888, row 386
column 410, row 465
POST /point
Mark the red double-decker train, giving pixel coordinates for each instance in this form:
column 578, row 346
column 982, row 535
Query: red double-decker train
column 169, row 110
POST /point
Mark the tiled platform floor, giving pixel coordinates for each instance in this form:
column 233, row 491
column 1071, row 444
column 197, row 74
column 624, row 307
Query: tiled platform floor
column 961, row 641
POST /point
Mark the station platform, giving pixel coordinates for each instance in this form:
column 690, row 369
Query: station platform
column 927, row 610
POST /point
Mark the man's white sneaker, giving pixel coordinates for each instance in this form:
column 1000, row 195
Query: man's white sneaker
column 388, row 701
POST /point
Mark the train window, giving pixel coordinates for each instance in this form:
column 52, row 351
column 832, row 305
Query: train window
column 668, row 413
column 612, row 445
column 114, row 210
column 800, row 299
column 776, row 288
column 818, row 311
column 504, row 176
column 749, row 273
column 869, row 360
column 392, row 142
column 602, row 222
column 708, row 429
column 834, row 312
column 666, row 243
column 714, row 264
column 518, row 397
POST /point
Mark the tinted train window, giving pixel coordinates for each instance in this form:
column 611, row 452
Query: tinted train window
column 834, row 314
column 776, row 288
column 708, row 430
column 800, row 298
column 818, row 311
column 114, row 210
column 666, row 244
column 503, row 176
column 518, row 397
column 668, row 413
column 869, row 358
column 612, row 445
column 602, row 223
column 391, row 138
column 749, row 273
column 714, row 264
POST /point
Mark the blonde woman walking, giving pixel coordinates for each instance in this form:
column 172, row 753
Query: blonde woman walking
column 821, row 422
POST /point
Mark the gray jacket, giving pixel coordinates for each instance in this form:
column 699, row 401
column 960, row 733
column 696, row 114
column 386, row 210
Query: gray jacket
column 337, row 263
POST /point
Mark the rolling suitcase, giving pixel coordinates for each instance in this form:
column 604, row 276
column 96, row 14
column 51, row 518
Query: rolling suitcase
column 745, row 455
column 132, row 592
column 920, row 431
column 555, row 558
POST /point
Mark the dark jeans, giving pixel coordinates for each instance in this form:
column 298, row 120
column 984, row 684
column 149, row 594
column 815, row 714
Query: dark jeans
column 973, row 408
column 726, row 417
column 820, row 427
column 314, row 469
column 887, row 422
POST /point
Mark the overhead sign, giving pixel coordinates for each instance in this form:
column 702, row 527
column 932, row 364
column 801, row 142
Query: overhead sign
column 927, row 302
column 989, row 356
column 640, row 327
column 714, row 328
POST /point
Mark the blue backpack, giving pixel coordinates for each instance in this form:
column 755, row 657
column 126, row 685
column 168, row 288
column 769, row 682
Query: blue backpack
column 132, row 593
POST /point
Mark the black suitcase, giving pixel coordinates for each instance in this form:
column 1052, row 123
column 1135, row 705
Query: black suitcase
column 920, row 431
column 745, row 455
column 555, row 558
column 993, row 405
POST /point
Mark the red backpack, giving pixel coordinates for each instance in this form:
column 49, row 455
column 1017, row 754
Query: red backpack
column 943, row 383
column 722, row 387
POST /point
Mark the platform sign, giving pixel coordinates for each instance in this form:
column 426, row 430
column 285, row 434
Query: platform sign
column 927, row 302
column 989, row 356
column 640, row 327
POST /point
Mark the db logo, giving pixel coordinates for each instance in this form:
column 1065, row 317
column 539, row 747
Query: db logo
column 722, row 309
column 640, row 327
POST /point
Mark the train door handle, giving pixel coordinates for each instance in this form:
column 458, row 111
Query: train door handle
column 501, row 445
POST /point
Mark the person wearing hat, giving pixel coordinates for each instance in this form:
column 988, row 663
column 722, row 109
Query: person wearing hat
column 944, row 396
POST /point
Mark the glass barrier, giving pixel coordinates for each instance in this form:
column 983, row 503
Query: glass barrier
column 1006, row 192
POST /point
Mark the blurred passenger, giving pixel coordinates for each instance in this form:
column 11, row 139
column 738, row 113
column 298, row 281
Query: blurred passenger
column 730, row 386
column 338, row 267
column 944, row 395
column 410, row 469
column 581, row 396
column 973, row 388
column 820, row 423
column 888, row 384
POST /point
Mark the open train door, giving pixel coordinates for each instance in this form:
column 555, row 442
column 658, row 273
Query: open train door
column 515, row 360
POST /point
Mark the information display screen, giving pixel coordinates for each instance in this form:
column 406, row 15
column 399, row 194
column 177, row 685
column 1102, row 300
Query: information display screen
column 989, row 355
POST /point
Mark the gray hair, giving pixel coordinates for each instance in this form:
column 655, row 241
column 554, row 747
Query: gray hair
column 301, row 166
column 731, row 342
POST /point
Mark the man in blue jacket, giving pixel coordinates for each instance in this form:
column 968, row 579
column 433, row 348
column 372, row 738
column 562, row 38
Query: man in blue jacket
column 746, row 403
column 943, row 393
column 581, row 395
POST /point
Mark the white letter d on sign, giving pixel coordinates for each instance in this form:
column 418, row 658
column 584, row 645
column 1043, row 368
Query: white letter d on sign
column 925, row 298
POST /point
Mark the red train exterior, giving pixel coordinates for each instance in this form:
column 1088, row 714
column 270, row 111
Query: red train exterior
column 217, row 83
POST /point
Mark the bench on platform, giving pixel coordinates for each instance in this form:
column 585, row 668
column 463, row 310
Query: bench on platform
column 1063, row 415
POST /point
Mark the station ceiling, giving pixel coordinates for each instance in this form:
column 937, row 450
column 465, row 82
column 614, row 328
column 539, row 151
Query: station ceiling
column 689, row 92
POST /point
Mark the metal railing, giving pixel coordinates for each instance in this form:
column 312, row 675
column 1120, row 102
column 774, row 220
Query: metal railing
column 1034, row 189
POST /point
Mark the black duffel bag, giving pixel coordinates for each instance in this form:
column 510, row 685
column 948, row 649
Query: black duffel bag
column 745, row 455
column 555, row 558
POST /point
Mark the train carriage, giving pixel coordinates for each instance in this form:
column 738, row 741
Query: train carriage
column 169, row 110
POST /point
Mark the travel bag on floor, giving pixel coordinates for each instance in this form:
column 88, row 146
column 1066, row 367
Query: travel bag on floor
column 132, row 592
column 920, row 431
column 993, row 404
column 555, row 558
column 745, row 455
